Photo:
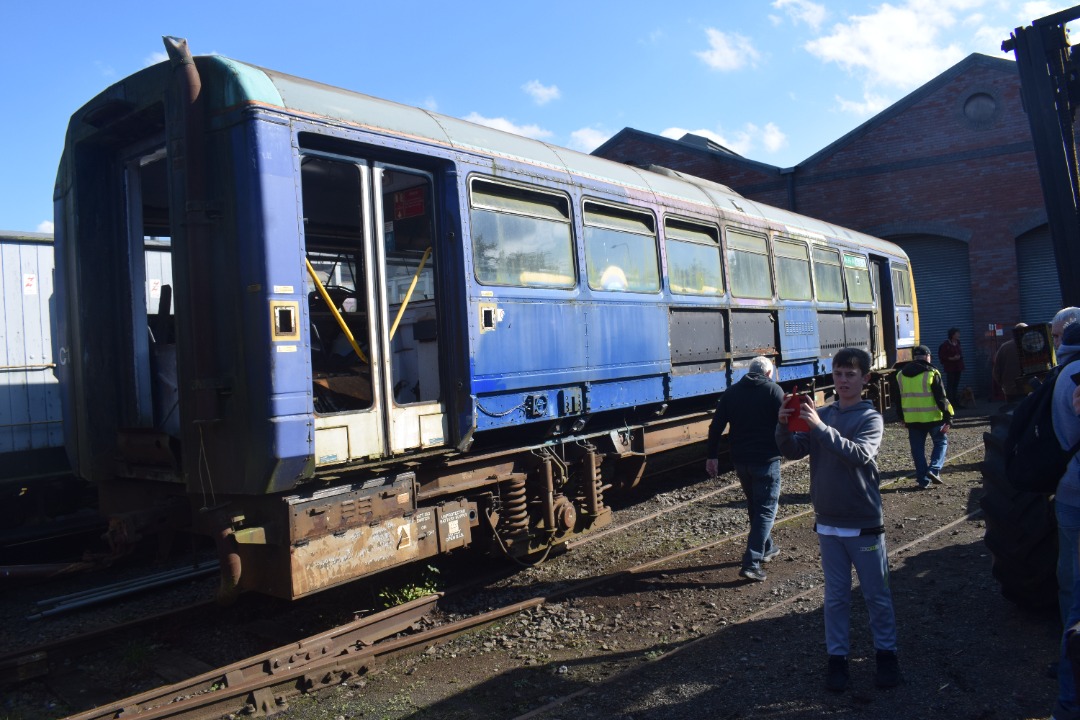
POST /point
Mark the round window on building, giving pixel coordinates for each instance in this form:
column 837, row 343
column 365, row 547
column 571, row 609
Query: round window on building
column 980, row 109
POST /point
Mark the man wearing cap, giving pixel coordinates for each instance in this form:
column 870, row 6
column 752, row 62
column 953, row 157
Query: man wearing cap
column 925, row 410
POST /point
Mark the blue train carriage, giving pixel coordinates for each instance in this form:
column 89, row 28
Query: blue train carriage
column 393, row 334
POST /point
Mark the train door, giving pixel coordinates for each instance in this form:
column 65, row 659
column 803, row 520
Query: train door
column 883, row 331
column 373, row 320
column 152, row 398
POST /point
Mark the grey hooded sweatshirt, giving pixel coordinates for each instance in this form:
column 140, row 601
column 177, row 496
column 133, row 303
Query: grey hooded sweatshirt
column 844, row 481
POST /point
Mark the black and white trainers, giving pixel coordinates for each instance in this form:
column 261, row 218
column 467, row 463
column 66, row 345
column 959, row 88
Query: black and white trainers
column 755, row 574
column 767, row 557
column 934, row 477
column 837, row 677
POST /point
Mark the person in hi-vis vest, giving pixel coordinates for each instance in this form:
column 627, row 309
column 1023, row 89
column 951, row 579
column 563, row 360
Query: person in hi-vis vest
column 925, row 410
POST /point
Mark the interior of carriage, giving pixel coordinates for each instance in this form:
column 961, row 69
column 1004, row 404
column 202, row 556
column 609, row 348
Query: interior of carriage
column 339, row 299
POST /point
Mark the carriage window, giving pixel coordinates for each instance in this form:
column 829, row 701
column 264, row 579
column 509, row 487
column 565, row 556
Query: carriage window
column 620, row 249
column 407, row 232
column 827, row 276
column 901, row 286
column 693, row 254
column 858, row 279
column 748, row 260
column 792, row 271
column 521, row 237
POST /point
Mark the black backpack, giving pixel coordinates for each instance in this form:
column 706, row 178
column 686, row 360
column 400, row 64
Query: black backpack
column 1034, row 459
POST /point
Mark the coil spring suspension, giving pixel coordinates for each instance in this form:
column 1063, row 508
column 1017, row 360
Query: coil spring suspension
column 514, row 519
column 592, row 485
column 598, row 483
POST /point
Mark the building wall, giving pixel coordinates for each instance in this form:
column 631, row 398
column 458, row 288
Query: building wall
column 29, row 399
column 31, row 420
column 954, row 159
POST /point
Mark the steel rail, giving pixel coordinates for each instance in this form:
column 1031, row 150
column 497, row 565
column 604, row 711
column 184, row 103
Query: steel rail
column 344, row 650
column 84, row 598
column 306, row 670
column 262, row 684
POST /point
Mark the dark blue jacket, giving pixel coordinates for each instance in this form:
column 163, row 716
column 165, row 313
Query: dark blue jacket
column 750, row 406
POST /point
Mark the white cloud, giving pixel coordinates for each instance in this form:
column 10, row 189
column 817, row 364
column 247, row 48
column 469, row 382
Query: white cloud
column 541, row 94
column 770, row 138
column 801, row 11
column 530, row 131
column 773, row 138
column 588, row 139
column 871, row 104
column 987, row 39
column 155, row 57
column 430, row 103
column 1039, row 9
column 45, row 226
column 728, row 51
column 900, row 46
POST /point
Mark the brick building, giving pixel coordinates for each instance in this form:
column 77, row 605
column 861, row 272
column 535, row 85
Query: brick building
column 948, row 173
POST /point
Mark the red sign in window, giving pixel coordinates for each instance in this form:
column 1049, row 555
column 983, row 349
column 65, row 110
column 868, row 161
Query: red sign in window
column 409, row 203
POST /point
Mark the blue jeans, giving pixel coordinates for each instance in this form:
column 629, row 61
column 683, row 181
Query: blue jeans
column 1068, row 573
column 761, row 483
column 917, row 437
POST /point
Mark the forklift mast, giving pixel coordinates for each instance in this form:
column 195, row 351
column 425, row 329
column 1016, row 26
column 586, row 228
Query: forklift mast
column 1050, row 92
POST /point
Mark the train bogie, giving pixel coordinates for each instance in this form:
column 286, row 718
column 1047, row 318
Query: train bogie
column 394, row 334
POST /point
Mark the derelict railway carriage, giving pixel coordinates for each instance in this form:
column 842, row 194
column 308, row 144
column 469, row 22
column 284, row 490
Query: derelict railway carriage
column 393, row 333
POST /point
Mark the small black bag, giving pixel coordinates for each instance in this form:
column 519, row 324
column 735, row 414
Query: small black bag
column 1034, row 459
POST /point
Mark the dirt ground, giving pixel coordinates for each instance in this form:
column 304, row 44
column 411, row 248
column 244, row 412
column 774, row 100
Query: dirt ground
column 690, row 639
column 685, row 638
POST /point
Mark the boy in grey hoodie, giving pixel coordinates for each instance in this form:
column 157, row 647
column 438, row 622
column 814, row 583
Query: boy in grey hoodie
column 842, row 444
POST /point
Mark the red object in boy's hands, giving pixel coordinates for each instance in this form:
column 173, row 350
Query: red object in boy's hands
column 795, row 422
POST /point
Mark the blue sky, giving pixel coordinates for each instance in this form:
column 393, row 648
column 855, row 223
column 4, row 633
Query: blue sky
column 774, row 80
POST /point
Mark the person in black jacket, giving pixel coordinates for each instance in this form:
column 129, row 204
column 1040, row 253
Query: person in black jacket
column 750, row 406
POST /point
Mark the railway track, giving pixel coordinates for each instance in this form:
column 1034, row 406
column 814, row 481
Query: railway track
column 248, row 693
column 29, row 663
column 264, row 682
column 25, row 664
column 684, row 599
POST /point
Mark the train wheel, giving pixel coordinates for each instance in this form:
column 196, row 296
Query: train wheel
column 1021, row 530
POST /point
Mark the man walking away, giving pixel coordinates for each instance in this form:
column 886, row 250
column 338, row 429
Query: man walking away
column 925, row 410
column 750, row 406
